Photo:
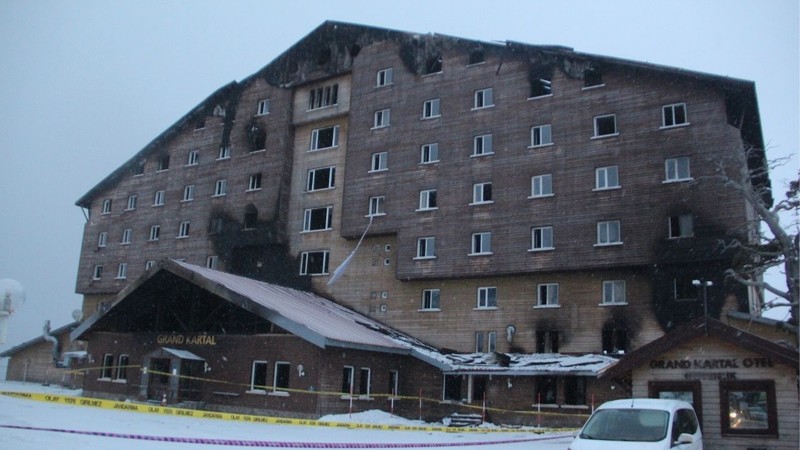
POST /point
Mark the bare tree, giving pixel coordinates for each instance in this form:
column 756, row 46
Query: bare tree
column 769, row 244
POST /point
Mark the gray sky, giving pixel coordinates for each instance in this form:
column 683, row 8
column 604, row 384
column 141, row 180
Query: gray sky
column 86, row 84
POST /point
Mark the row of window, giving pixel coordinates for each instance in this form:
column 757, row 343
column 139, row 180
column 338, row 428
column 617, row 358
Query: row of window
column 122, row 268
column 672, row 115
column 612, row 293
column 350, row 386
column 159, row 197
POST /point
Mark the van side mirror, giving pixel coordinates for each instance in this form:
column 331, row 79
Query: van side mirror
column 685, row 438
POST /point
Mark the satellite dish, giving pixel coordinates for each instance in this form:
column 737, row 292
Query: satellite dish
column 13, row 296
column 77, row 315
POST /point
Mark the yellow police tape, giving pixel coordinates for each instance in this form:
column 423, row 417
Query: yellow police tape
column 183, row 412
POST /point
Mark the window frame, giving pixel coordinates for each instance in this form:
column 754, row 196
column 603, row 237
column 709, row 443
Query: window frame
column 364, row 388
column 97, row 272
column 672, row 169
column 598, row 126
column 155, row 233
column 479, row 193
column 602, row 173
column 102, row 239
column 211, row 262
column 480, row 100
column 431, row 109
column 377, row 206
column 543, row 182
column 431, row 300
column 382, row 119
column 121, row 374
column 766, row 386
column 224, row 152
column 323, row 97
column 384, row 77
column 480, row 241
column 486, row 298
column 188, row 193
column 127, row 236
column 276, row 378
column 133, row 199
column 684, row 224
column 305, row 260
column 426, row 247
column 254, row 182
column 309, row 219
column 221, row 188
column 158, row 198
column 311, row 178
column 428, row 200
column 183, row 230
column 547, row 295
column 429, row 153
column 253, row 366
column 381, row 160
column 348, row 381
column 541, row 136
column 613, row 296
column 106, row 208
column 315, row 138
column 193, row 158
column 263, row 107
column 545, row 234
column 122, row 271
column 480, row 144
column 670, row 110
column 107, row 368
column 605, row 235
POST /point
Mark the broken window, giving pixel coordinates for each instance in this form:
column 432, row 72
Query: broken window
column 263, row 107
column 216, row 225
column 605, row 125
column 541, row 81
column 546, row 341
column 546, row 390
column 592, row 76
column 258, row 376
column 683, row 289
column 681, row 226
column 314, row 263
column 139, row 169
column 322, row 178
column 452, row 388
column 574, row 390
column 476, row 56
column 347, row 380
column 200, row 124
column 259, row 139
column 250, row 217
column 323, row 96
column 614, row 340
column 324, row 138
column 364, row 382
column 163, row 163
column 433, row 64
column 281, row 378
column 316, row 219
column 224, row 152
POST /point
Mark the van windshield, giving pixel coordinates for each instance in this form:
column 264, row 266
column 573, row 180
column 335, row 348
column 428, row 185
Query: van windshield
column 637, row 425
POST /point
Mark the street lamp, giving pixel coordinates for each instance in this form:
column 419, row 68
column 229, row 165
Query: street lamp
column 705, row 285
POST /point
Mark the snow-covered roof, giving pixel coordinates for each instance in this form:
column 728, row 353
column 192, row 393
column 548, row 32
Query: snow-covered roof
column 325, row 323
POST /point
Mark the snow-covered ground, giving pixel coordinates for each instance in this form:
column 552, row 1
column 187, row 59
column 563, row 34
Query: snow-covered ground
column 29, row 424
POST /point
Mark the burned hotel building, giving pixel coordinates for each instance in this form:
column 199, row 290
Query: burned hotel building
column 514, row 218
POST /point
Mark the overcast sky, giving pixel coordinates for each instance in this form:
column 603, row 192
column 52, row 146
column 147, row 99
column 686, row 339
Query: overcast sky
column 84, row 85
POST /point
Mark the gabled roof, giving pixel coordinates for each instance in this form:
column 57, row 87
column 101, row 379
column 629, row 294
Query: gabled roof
column 39, row 339
column 330, row 49
column 697, row 329
column 304, row 314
